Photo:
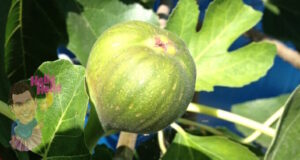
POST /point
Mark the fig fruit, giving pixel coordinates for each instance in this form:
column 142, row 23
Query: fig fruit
column 140, row 78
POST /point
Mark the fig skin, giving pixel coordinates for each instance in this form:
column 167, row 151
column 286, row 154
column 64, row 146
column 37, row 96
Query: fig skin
column 140, row 78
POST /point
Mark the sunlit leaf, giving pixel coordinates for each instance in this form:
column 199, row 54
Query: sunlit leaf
column 224, row 22
column 62, row 121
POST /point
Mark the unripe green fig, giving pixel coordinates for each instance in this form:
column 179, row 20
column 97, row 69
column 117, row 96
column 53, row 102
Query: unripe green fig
column 140, row 78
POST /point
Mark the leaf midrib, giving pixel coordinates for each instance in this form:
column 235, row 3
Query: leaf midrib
column 85, row 19
column 20, row 27
column 212, row 42
column 21, row 33
column 60, row 121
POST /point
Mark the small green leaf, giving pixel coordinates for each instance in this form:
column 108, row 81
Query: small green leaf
column 224, row 22
column 263, row 109
column 62, row 122
column 90, row 18
column 34, row 29
column 286, row 143
column 192, row 147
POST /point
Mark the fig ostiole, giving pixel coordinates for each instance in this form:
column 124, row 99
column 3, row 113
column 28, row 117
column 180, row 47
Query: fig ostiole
column 140, row 78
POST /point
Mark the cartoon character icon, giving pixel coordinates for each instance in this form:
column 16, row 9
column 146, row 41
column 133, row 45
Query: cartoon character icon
column 26, row 133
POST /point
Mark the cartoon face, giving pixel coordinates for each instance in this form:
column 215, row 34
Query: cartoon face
column 24, row 106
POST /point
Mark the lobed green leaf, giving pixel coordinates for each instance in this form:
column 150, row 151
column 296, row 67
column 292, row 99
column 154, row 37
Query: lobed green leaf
column 224, row 22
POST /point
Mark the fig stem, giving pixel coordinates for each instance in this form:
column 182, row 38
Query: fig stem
column 231, row 117
column 179, row 129
column 125, row 146
column 268, row 122
column 127, row 139
column 202, row 126
column 161, row 142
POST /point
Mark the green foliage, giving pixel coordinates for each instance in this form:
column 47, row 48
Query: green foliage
column 5, row 127
column 31, row 31
column 34, row 30
column 286, row 143
column 93, row 129
column 187, row 146
column 263, row 109
column 224, row 22
column 89, row 19
column 62, row 122
column 4, row 7
column 286, row 24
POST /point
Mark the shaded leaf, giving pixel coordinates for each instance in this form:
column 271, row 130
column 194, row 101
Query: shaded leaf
column 5, row 127
column 93, row 129
column 148, row 150
column 34, row 30
column 286, row 142
column 286, row 25
column 290, row 5
column 206, row 148
column 7, row 153
column 89, row 19
column 102, row 152
column 22, row 155
column 224, row 22
column 4, row 87
column 263, row 109
column 62, row 122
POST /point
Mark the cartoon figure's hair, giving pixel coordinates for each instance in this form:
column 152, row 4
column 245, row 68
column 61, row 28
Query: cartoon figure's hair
column 19, row 88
